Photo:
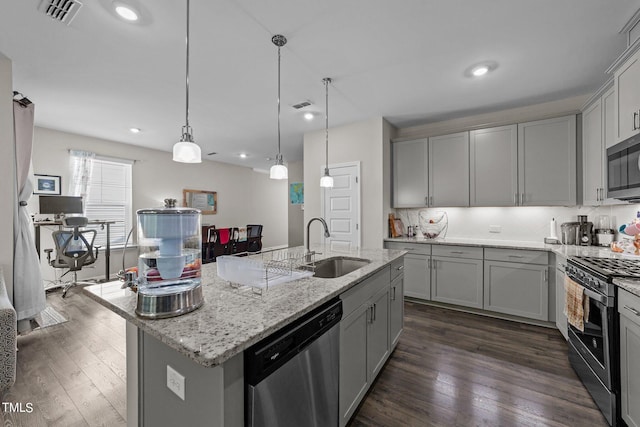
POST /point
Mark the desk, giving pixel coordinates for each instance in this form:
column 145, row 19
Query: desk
column 107, row 251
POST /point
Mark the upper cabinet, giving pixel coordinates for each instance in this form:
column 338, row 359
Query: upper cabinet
column 547, row 162
column 494, row 166
column 627, row 88
column 449, row 170
column 410, row 175
column 598, row 134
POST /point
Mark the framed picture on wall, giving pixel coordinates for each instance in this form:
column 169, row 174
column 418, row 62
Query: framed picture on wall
column 46, row 184
column 296, row 193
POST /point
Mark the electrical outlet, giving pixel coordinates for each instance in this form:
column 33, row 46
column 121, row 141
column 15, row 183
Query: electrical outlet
column 495, row 229
column 175, row 382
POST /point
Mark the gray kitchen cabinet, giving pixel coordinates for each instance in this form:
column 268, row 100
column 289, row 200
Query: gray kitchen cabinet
column 516, row 282
column 449, row 170
column 629, row 309
column 417, row 275
column 561, row 296
column 592, row 155
column 410, row 174
column 493, row 166
column 627, row 88
column 417, row 279
column 456, row 275
column 364, row 339
column 598, row 133
column 547, row 162
column 396, row 304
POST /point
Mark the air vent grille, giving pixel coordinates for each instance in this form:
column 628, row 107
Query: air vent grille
column 301, row 105
column 60, row 10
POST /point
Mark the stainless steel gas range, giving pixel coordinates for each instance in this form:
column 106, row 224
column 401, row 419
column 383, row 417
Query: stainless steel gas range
column 594, row 353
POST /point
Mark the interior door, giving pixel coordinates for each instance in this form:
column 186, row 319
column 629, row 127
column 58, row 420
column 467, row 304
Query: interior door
column 341, row 207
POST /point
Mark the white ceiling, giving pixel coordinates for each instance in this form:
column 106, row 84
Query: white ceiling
column 402, row 60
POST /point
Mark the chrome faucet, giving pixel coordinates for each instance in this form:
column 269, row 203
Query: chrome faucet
column 326, row 231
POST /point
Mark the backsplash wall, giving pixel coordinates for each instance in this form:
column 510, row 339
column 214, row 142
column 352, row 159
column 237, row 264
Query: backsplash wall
column 518, row 223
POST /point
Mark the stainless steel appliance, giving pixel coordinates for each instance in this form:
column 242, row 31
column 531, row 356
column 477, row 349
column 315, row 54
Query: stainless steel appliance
column 594, row 352
column 585, row 231
column 292, row 377
column 623, row 170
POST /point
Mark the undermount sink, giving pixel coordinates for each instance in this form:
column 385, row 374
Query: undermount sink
column 331, row 268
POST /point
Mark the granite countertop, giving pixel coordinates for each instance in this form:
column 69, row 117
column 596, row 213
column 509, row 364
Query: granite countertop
column 563, row 250
column 231, row 320
column 630, row 285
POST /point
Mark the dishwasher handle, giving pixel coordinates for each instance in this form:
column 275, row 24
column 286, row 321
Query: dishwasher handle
column 263, row 358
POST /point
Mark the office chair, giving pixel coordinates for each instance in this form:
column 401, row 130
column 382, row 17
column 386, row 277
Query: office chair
column 74, row 249
column 254, row 238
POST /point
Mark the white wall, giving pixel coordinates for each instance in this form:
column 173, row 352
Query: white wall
column 244, row 196
column 296, row 212
column 362, row 141
column 7, row 166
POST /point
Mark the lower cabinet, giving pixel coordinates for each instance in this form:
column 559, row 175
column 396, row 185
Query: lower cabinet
column 561, row 297
column 629, row 308
column 396, row 310
column 371, row 325
column 456, row 275
column 417, row 276
column 516, row 282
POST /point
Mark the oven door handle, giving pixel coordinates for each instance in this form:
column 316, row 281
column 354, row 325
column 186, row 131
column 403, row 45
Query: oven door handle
column 593, row 295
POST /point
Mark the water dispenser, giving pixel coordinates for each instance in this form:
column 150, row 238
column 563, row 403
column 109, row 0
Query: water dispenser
column 169, row 262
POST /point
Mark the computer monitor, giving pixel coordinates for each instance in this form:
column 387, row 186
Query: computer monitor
column 60, row 205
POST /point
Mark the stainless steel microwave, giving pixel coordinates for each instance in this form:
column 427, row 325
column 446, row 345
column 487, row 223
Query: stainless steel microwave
column 623, row 170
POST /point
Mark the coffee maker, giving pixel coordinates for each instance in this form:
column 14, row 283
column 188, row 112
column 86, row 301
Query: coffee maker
column 585, row 231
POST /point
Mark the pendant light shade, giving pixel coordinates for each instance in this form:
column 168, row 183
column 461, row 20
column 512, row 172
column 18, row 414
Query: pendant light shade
column 279, row 170
column 186, row 150
column 327, row 180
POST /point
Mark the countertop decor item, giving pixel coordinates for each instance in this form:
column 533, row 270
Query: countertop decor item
column 279, row 170
column 326, row 180
column 186, row 150
column 434, row 224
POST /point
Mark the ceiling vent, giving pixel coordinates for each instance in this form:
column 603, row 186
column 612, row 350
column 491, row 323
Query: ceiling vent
column 60, row 10
column 301, row 105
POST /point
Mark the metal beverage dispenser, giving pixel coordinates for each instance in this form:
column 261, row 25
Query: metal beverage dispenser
column 169, row 262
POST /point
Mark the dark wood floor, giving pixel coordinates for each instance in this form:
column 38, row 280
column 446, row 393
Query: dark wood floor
column 459, row 369
column 449, row 369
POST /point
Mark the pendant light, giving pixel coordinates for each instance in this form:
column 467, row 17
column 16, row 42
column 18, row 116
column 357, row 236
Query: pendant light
column 279, row 170
column 326, row 180
column 186, row 150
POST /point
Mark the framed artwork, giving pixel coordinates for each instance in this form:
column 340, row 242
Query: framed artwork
column 296, row 193
column 46, row 184
column 206, row 201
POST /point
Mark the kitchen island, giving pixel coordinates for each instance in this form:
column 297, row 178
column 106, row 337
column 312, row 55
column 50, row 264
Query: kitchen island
column 205, row 347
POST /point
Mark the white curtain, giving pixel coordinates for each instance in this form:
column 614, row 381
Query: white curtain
column 82, row 168
column 28, row 289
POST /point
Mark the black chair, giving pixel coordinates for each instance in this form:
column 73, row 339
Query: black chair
column 74, row 250
column 254, row 238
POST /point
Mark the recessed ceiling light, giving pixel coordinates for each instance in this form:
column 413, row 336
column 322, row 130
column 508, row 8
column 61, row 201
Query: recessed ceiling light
column 308, row 116
column 243, row 156
column 481, row 69
column 126, row 11
column 134, row 130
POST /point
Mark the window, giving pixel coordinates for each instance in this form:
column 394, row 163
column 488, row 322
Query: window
column 109, row 197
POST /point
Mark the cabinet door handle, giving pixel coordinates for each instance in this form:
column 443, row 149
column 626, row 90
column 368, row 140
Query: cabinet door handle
column 546, row 275
column 457, row 252
column 374, row 314
column 635, row 117
column 597, row 194
column 400, row 268
column 370, row 314
column 633, row 310
column 393, row 295
column 434, row 263
column 430, row 200
column 516, row 256
column 426, row 200
column 515, row 199
column 429, row 263
column 521, row 199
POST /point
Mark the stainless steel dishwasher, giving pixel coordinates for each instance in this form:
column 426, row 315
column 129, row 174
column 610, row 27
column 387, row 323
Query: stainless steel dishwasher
column 292, row 377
